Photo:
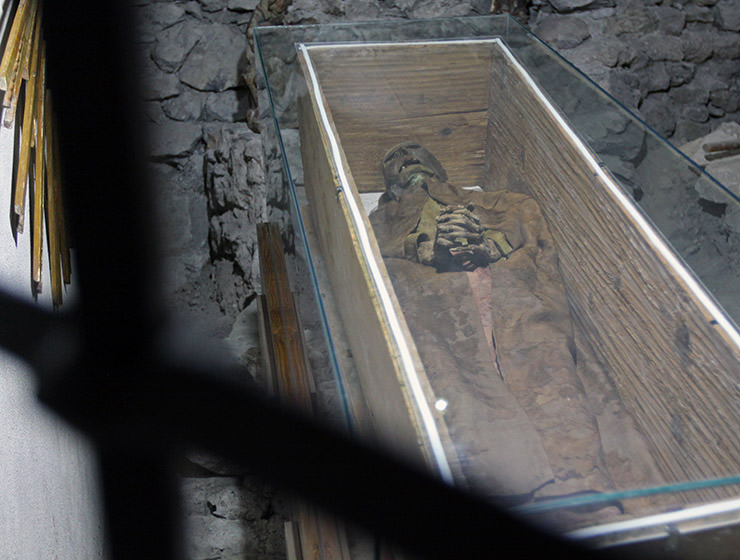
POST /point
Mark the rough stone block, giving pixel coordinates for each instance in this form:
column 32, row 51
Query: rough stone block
column 565, row 6
column 153, row 112
column 728, row 14
column 174, row 139
column 655, row 78
column 224, row 521
column 726, row 99
column 174, row 45
column 242, row 5
column 715, row 111
column 155, row 83
column 700, row 14
column 662, row 47
column 212, row 5
column 634, row 18
column 563, row 32
column 687, row 130
column 680, row 72
column 187, row 106
column 161, row 14
column 690, row 94
column 625, row 86
column 696, row 113
column 228, row 106
column 670, row 20
column 218, row 61
column 697, row 46
column 659, row 112
column 727, row 45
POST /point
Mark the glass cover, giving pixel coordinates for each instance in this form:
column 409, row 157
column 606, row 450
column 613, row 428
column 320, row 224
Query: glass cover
column 547, row 265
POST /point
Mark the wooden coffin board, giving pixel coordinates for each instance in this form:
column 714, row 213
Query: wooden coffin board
column 378, row 93
column 389, row 368
column 672, row 357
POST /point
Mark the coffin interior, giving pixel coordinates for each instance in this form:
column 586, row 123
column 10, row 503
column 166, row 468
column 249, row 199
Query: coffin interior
column 675, row 369
column 380, row 96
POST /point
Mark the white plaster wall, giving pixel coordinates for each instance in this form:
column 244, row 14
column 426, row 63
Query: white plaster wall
column 49, row 500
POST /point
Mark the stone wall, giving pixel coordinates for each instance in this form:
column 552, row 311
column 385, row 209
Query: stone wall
column 677, row 63
column 207, row 175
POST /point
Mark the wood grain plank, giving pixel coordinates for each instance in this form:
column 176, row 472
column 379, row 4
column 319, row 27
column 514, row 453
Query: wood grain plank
column 291, row 372
column 676, row 372
column 318, row 536
column 382, row 96
column 396, row 418
column 458, row 140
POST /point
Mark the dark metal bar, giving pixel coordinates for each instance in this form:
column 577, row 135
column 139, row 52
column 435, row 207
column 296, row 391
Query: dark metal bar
column 92, row 56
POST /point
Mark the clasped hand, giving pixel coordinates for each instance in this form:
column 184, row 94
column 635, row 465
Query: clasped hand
column 461, row 241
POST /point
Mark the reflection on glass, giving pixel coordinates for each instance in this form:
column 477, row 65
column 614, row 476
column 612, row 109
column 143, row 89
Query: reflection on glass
column 564, row 379
column 477, row 277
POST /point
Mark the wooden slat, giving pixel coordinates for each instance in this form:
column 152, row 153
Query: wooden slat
column 65, row 256
column 317, row 536
column 13, row 44
column 54, row 222
column 21, row 64
column 396, row 421
column 292, row 542
column 382, row 96
column 465, row 163
column 39, row 193
column 673, row 367
column 292, row 375
column 266, row 347
column 27, row 137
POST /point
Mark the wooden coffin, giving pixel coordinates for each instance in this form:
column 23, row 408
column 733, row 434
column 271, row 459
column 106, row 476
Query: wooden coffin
column 667, row 353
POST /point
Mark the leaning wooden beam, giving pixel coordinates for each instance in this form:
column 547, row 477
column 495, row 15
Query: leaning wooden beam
column 292, row 375
column 317, row 536
column 39, row 179
column 20, row 67
column 27, row 136
column 13, row 44
column 52, row 209
column 18, row 70
column 56, row 172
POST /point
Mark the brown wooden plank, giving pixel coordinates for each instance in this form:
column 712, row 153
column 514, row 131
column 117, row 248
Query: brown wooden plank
column 397, row 421
column 333, row 538
column 266, row 348
column 673, row 367
column 411, row 81
column 318, row 536
column 292, row 542
column 65, row 256
column 381, row 96
column 54, row 222
column 308, row 532
column 458, row 140
column 292, row 375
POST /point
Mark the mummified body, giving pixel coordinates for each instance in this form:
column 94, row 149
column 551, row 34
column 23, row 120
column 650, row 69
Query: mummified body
column 477, row 277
